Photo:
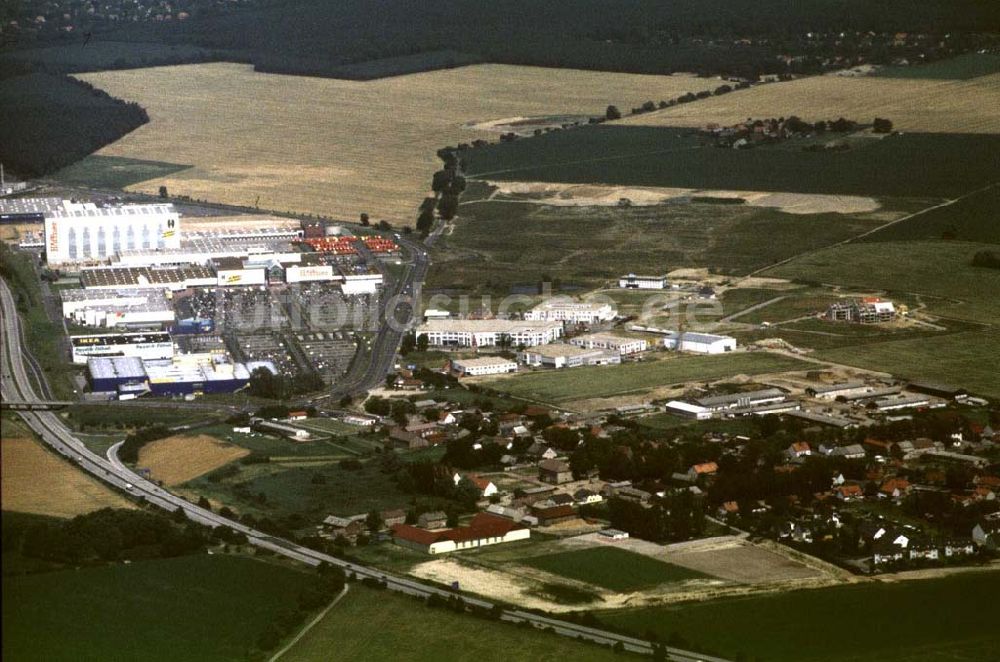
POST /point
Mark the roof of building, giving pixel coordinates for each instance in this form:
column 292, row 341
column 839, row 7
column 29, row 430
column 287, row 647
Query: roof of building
column 123, row 367
column 733, row 398
column 483, row 362
column 483, row 525
column 486, row 326
column 556, row 350
column 557, row 466
column 705, row 468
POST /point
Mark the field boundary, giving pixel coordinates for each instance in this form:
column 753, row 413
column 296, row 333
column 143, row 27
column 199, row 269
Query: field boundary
column 310, row 624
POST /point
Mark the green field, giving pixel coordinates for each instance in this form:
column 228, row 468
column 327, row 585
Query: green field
column 114, row 172
column 952, row 619
column 938, row 270
column 191, row 608
column 822, row 335
column 612, row 568
column 586, row 247
column 963, row 67
column 910, row 165
column 315, row 491
column 605, row 381
column 973, row 218
column 793, row 306
column 377, row 625
column 964, row 359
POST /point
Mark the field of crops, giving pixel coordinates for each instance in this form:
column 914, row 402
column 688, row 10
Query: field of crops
column 197, row 608
column 38, row 481
column 972, row 218
column 597, row 382
column 922, row 165
column 963, row 67
column 180, row 458
column 337, row 147
column 611, row 568
column 913, row 104
column 889, row 622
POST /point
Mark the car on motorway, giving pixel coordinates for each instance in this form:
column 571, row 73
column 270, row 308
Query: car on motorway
column 129, row 486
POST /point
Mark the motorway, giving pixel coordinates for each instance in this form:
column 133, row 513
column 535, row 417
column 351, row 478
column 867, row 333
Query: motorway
column 16, row 385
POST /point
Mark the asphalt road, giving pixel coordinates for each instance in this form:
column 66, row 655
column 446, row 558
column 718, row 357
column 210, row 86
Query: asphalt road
column 16, row 385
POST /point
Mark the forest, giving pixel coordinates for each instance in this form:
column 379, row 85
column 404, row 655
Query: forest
column 49, row 121
column 364, row 39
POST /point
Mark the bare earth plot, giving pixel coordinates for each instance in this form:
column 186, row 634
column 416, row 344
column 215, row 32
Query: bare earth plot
column 958, row 106
column 36, row 481
column 178, row 459
column 338, row 147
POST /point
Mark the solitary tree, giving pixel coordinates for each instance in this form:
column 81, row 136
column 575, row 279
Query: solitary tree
column 612, row 113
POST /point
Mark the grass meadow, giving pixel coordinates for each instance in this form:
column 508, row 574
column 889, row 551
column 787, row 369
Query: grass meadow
column 612, row 568
column 368, row 624
column 889, row 622
column 591, row 246
column 339, row 147
column 193, row 608
column 568, row 384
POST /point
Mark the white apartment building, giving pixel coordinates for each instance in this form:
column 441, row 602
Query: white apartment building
column 624, row 346
column 574, row 312
column 85, row 233
column 489, row 333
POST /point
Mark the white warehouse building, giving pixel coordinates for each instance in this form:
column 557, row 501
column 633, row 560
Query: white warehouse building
column 633, row 282
column 86, row 233
column 574, row 312
column 704, row 343
column 620, row 344
column 488, row 333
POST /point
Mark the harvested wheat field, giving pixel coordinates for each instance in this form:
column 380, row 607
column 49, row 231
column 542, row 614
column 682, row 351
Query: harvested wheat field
column 922, row 105
column 37, row 481
column 178, row 459
column 338, row 147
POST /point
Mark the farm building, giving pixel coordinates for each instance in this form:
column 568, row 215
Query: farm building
column 833, row 391
column 280, row 429
column 622, row 345
column 146, row 346
column 484, row 365
column 633, row 282
column 562, row 355
column 688, row 410
column 574, row 312
column 556, row 472
column 484, row 529
column 703, row 343
column 79, row 233
column 901, row 402
column 739, row 400
column 488, row 333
